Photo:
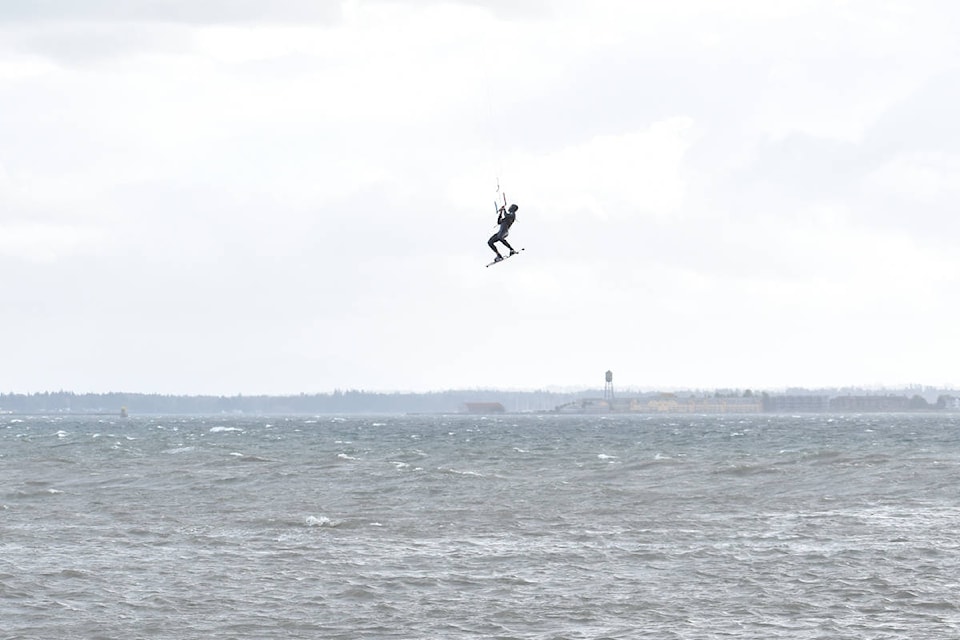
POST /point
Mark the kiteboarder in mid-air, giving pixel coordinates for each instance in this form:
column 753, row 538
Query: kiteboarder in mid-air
column 505, row 218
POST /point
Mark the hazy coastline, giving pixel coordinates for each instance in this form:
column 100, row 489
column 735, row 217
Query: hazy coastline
column 792, row 400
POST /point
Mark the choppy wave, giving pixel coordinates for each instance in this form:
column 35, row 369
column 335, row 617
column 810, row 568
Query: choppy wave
column 536, row 527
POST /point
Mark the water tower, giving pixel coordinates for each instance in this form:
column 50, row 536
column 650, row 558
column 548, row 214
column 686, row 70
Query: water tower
column 608, row 387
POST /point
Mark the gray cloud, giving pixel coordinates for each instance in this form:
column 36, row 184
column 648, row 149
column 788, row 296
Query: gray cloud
column 237, row 11
column 305, row 208
column 178, row 11
column 83, row 43
column 926, row 120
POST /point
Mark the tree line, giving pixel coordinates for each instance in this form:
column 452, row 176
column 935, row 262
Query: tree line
column 350, row 401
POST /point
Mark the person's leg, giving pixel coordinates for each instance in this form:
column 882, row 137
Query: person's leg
column 490, row 242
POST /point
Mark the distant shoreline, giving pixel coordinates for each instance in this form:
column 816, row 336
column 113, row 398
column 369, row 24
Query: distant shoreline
column 492, row 402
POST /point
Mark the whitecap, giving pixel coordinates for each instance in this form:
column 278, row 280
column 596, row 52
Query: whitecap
column 224, row 429
column 344, row 456
column 321, row 521
column 67, row 605
column 179, row 450
column 243, row 457
column 475, row 474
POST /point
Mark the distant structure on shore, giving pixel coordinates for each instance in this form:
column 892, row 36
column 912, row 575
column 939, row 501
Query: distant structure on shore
column 915, row 398
column 750, row 402
column 665, row 403
column 762, row 403
column 484, row 408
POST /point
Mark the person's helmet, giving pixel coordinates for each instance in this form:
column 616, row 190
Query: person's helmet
column 513, row 208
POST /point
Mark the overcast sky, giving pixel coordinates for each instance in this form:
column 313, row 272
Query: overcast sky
column 239, row 196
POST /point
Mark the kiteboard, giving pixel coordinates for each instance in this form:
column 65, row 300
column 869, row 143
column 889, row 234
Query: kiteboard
column 506, row 257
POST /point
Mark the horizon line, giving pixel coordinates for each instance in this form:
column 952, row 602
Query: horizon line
column 554, row 389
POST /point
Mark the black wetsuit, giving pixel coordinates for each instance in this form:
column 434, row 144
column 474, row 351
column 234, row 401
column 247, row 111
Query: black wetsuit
column 505, row 220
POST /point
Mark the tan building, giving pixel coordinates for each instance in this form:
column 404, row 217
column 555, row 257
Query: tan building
column 669, row 403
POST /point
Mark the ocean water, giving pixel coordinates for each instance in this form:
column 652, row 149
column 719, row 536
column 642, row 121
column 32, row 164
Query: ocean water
column 530, row 526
